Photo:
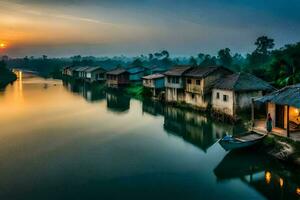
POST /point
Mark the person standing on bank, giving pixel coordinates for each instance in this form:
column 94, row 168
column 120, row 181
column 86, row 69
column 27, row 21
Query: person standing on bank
column 269, row 125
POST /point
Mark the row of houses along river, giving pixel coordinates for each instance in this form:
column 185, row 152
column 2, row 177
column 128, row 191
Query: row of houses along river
column 76, row 140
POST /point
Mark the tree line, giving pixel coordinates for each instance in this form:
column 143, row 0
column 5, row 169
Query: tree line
column 280, row 67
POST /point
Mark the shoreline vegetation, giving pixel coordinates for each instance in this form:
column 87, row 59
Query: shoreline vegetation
column 6, row 75
column 280, row 67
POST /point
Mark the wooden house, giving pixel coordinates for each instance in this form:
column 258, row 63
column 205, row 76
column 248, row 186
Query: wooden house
column 155, row 82
column 117, row 78
column 93, row 74
column 284, row 107
column 67, row 71
column 79, row 73
column 199, row 83
column 234, row 92
column 136, row 74
column 175, row 83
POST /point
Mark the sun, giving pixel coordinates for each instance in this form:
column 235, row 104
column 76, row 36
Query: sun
column 2, row 45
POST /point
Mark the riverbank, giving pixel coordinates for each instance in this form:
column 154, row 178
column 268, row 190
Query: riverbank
column 283, row 149
column 6, row 77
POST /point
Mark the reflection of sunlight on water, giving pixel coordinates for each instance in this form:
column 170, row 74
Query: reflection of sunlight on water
column 18, row 87
column 268, row 177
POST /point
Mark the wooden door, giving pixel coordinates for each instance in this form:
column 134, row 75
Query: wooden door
column 279, row 119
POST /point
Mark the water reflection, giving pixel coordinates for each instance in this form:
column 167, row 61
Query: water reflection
column 90, row 92
column 261, row 172
column 117, row 101
column 170, row 150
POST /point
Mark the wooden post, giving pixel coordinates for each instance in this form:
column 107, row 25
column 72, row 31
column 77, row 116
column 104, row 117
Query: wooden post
column 252, row 112
column 288, row 121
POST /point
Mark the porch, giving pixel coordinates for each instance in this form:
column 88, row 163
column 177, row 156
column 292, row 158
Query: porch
column 260, row 127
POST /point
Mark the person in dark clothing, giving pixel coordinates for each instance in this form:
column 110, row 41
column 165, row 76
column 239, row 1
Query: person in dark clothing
column 269, row 122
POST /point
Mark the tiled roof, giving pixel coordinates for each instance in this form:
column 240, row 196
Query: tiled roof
column 117, row 72
column 243, row 82
column 178, row 70
column 202, row 72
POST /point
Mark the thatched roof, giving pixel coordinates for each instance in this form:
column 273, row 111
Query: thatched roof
column 243, row 82
column 289, row 95
column 202, row 72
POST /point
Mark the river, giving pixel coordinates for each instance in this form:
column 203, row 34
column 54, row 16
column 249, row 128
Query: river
column 72, row 141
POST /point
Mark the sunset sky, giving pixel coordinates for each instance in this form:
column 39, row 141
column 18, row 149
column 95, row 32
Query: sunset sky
column 133, row 27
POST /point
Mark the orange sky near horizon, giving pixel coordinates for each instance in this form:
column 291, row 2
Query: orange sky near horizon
column 39, row 26
column 134, row 27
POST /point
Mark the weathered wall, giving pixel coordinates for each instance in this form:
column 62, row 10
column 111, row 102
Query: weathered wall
column 220, row 105
column 193, row 87
column 244, row 99
column 197, row 100
column 173, row 94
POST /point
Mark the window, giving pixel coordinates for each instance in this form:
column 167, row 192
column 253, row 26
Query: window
column 177, row 80
column 193, row 96
column 218, row 95
column 198, row 82
column 169, row 79
column 225, row 97
column 189, row 81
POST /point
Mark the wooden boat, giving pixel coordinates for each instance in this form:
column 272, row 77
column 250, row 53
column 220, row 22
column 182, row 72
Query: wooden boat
column 246, row 140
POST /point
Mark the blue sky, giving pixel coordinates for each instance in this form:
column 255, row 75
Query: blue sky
column 132, row 27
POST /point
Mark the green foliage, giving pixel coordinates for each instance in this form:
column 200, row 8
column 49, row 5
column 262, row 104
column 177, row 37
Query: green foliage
column 135, row 90
column 225, row 57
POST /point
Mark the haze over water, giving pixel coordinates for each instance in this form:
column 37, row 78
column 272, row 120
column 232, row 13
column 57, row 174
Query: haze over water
column 70, row 141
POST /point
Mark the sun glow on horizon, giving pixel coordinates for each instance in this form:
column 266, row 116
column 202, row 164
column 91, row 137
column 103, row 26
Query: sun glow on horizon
column 3, row 45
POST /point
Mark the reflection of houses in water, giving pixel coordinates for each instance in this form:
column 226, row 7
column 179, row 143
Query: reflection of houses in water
column 259, row 171
column 154, row 108
column 89, row 92
column 117, row 102
column 196, row 128
column 189, row 125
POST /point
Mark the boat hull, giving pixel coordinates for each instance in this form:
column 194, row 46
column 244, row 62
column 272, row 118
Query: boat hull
column 237, row 144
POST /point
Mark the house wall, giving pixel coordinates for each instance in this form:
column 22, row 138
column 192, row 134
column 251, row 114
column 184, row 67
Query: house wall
column 149, row 83
column 219, row 105
column 154, row 83
column 115, row 80
column 174, row 94
column 160, row 83
column 244, row 99
column 193, row 87
column 170, row 82
column 98, row 75
column 197, row 100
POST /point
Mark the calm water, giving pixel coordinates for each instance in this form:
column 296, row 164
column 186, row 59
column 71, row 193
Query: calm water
column 68, row 141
